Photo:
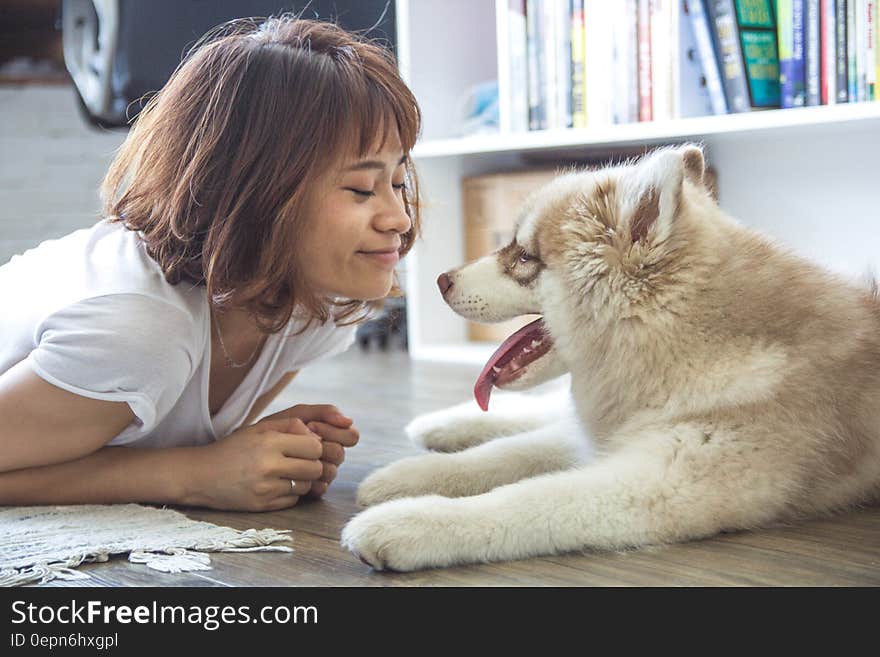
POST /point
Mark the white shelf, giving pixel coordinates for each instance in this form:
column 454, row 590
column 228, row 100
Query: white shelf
column 652, row 132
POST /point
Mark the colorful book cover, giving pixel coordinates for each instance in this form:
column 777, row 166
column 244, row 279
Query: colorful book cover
column 578, row 66
column 703, row 42
column 812, row 59
column 645, row 87
column 841, row 76
column 757, row 32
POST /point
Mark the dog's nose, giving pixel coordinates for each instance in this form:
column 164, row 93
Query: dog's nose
column 444, row 283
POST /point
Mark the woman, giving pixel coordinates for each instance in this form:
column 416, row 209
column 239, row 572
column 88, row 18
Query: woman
column 259, row 203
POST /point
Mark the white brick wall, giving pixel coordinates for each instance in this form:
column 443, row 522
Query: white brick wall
column 51, row 163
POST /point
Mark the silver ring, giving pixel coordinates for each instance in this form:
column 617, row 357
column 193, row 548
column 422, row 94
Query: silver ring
column 292, row 485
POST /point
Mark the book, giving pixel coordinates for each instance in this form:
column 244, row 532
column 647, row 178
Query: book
column 691, row 87
column 789, row 29
column 870, row 55
column 703, row 41
column 598, row 16
column 662, row 57
column 756, row 24
column 578, row 66
column 513, row 67
column 860, row 50
column 624, row 49
column 876, row 53
column 644, row 50
column 851, row 39
column 562, row 61
column 725, row 38
column 828, row 52
column 812, row 73
column 548, row 44
column 841, row 76
column 534, row 34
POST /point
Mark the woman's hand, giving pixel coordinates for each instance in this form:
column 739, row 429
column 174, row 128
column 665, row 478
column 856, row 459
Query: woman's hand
column 336, row 432
column 252, row 468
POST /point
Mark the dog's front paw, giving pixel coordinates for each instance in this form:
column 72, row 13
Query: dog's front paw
column 450, row 430
column 402, row 535
column 407, row 477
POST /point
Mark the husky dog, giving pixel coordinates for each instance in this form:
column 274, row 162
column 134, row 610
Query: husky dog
column 723, row 382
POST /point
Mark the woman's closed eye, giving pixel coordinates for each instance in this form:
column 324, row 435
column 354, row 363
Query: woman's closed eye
column 367, row 193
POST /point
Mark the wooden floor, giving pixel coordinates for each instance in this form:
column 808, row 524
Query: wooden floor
column 382, row 392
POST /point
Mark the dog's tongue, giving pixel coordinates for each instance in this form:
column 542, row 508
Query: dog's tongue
column 511, row 346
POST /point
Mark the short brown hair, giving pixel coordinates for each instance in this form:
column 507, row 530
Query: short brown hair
column 215, row 168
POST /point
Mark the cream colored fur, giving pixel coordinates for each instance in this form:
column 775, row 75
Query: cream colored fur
column 718, row 383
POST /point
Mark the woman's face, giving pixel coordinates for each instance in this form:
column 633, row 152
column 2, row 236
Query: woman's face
column 354, row 219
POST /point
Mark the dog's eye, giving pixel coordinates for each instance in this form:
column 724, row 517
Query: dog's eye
column 525, row 257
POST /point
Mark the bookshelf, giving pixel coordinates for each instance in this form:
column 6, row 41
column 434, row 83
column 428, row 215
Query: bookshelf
column 808, row 177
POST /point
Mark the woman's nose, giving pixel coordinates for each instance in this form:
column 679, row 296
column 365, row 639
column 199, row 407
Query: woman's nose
column 394, row 218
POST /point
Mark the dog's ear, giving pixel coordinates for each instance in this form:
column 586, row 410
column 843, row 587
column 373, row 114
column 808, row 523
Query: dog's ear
column 655, row 190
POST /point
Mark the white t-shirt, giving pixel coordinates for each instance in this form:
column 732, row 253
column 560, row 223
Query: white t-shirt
column 92, row 313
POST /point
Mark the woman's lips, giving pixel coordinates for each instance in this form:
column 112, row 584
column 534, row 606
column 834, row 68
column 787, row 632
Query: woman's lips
column 387, row 258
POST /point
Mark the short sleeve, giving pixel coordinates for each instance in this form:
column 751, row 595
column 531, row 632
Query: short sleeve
column 119, row 347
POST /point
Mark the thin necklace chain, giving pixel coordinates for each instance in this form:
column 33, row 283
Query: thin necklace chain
column 229, row 361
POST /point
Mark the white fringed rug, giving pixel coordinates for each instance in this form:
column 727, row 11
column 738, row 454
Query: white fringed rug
column 40, row 543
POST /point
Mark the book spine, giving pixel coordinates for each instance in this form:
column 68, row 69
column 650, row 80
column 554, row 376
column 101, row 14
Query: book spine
column 619, row 56
column 851, row 43
column 505, row 93
column 703, row 39
column 876, row 53
column 725, row 37
column 785, row 38
column 518, row 83
column 757, row 30
column 549, row 69
column 562, row 16
column 598, row 16
column 537, row 116
column 692, row 89
column 870, row 52
column 632, row 71
column 674, row 9
column 661, row 57
column 812, row 58
column 841, row 76
column 861, row 78
column 798, row 53
column 828, row 49
column 645, row 86
column 578, row 66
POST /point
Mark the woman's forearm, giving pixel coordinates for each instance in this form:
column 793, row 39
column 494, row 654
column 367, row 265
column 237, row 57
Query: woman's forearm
column 108, row 476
